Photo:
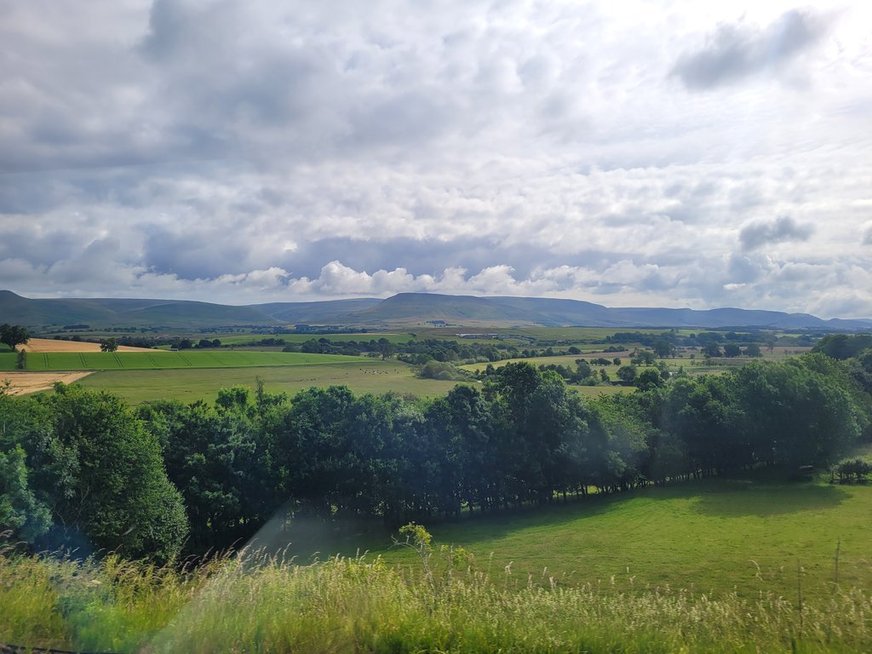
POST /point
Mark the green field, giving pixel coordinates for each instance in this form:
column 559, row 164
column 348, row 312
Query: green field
column 45, row 361
column 361, row 375
column 714, row 536
column 8, row 360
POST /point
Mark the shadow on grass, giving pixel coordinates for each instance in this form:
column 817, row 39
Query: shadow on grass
column 736, row 498
column 308, row 539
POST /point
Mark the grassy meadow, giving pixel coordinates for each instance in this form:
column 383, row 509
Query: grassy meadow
column 162, row 360
column 713, row 566
column 714, row 536
column 362, row 375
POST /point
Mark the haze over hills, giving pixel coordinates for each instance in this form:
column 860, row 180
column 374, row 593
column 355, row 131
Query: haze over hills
column 404, row 309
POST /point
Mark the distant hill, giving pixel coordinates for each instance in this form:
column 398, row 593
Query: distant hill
column 109, row 312
column 399, row 310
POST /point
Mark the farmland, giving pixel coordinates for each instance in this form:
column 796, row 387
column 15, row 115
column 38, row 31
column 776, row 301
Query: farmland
column 140, row 375
column 367, row 376
column 164, row 360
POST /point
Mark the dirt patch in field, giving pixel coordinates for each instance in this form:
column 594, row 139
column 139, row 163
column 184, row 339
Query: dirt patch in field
column 31, row 382
column 51, row 345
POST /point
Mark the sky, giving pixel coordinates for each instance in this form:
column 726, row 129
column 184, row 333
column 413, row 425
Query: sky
column 674, row 153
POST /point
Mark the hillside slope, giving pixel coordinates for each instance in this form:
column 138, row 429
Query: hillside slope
column 398, row 310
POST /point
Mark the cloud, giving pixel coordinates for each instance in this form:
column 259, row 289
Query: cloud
column 248, row 150
column 757, row 234
column 867, row 236
column 736, row 51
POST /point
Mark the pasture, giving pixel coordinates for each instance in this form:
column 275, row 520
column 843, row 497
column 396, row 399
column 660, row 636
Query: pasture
column 715, row 536
column 164, row 360
column 191, row 384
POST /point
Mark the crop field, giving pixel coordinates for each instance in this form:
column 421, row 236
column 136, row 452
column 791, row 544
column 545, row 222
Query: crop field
column 22, row 383
column 191, row 384
column 161, row 359
column 51, row 345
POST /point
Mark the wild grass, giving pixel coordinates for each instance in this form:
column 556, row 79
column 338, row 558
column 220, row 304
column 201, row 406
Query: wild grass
column 264, row 604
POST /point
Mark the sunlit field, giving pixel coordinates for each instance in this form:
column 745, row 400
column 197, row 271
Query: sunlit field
column 188, row 385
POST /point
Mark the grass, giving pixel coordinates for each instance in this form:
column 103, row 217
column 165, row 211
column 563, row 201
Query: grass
column 188, row 385
column 713, row 566
column 715, row 536
column 465, row 604
column 160, row 360
column 8, row 360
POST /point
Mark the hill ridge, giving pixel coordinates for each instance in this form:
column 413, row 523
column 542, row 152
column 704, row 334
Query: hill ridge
column 397, row 310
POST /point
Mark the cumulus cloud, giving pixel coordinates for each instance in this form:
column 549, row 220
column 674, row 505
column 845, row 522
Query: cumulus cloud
column 736, row 51
column 757, row 234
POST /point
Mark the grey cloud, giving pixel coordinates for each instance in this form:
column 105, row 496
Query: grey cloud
column 38, row 249
column 785, row 228
column 742, row 269
column 867, row 237
column 96, row 263
column 738, row 51
column 195, row 254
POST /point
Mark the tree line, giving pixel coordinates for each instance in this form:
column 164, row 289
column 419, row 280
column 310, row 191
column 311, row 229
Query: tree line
column 82, row 469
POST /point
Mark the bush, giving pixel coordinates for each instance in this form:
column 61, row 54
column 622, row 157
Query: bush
column 854, row 471
column 442, row 370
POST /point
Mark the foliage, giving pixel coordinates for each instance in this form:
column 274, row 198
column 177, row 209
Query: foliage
column 843, row 346
column 109, row 345
column 20, row 512
column 13, row 335
column 853, row 471
column 442, row 370
column 329, row 456
column 99, row 471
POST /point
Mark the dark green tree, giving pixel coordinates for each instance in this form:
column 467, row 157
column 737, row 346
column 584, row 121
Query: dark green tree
column 13, row 335
column 92, row 462
column 109, row 345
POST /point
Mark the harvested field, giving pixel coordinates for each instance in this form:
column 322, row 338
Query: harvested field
column 51, row 345
column 32, row 382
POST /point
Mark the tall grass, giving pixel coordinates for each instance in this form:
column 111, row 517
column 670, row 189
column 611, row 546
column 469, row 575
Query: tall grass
column 263, row 604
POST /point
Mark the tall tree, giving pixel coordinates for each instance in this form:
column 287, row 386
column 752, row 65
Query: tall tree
column 103, row 477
